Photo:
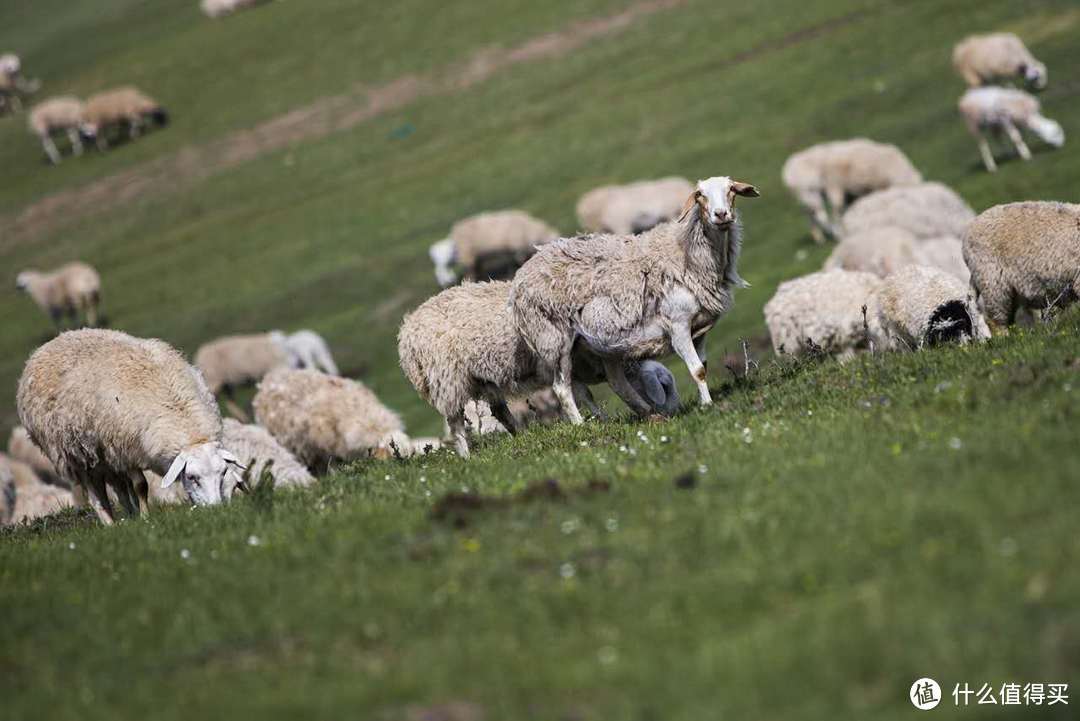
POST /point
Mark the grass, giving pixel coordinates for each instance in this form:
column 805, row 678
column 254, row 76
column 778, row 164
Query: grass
column 849, row 529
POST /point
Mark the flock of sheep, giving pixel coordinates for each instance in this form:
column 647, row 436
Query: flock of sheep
column 119, row 422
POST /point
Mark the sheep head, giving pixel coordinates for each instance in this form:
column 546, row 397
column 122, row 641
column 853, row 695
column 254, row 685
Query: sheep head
column 208, row 471
column 714, row 199
column 1034, row 74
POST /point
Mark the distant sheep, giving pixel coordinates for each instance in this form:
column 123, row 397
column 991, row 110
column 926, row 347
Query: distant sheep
column 927, row 210
column 987, row 59
column 945, row 253
column 827, row 312
column 634, row 207
column 14, row 87
column 33, row 498
column 235, row 361
column 489, row 246
column 258, row 450
column 220, row 8
column 117, row 107
column 919, row 306
column 307, row 349
column 1006, row 110
column 879, row 251
column 21, row 448
column 73, row 289
column 7, row 494
column 62, row 114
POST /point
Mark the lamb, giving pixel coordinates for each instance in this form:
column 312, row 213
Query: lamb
column 28, row 495
column 823, row 177
column 1005, row 110
column 823, row 312
column 235, row 361
column 634, row 207
column 928, row 210
column 489, row 246
column 257, row 449
column 321, row 418
column 634, row 297
column 104, row 406
column 73, row 289
column 919, row 306
column 220, row 8
column 987, row 59
column 63, row 114
column 1024, row 255
column 125, row 105
column 307, row 349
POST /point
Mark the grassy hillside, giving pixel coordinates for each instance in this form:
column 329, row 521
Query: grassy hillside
column 850, row 528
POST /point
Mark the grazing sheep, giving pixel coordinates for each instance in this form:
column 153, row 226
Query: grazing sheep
column 633, row 207
column 220, row 8
column 62, row 114
column 1005, row 110
column 945, row 253
column 22, row 449
column 825, row 312
column 73, row 289
column 234, row 361
column 321, row 418
column 986, row 59
column 489, row 246
column 258, row 450
column 634, row 297
column 307, row 349
column 918, row 306
column 1024, row 255
column 14, row 88
column 824, row 177
column 33, row 498
column 105, row 406
column 120, row 106
column 928, row 210
column 879, row 251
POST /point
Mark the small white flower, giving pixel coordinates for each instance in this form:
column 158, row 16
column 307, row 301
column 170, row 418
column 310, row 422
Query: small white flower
column 423, row 479
column 702, row 468
column 71, row 546
column 567, row 570
column 622, row 449
column 185, row 554
column 386, row 477
column 570, row 525
column 611, row 524
column 747, row 435
column 955, row 443
column 664, row 439
column 253, row 540
column 427, row 494
column 583, row 444
column 809, row 412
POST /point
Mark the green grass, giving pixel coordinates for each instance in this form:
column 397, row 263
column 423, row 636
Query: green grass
column 891, row 518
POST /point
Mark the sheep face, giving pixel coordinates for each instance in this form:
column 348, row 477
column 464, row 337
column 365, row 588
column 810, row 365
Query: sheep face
column 208, row 471
column 1034, row 74
column 715, row 200
column 22, row 281
column 443, row 254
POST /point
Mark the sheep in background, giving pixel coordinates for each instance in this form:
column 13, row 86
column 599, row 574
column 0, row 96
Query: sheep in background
column 235, row 361
column 21, row 448
column 32, row 498
column 62, row 114
column 307, row 349
column 73, row 289
column 634, row 207
column 220, row 8
column 489, row 246
column 1004, row 110
column 879, row 251
column 986, row 59
column 825, row 312
column 120, row 106
column 927, row 210
column 105, row 406
column 7, row 494
column 1024, row 255
column 919, row 306
column 258, row 450
column 823, row 177
column 634, row 297
column 945, row 253
column 14, row 88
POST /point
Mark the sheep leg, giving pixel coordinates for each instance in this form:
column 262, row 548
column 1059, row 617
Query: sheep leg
column 616, row 376
column 134, row 126
column 1018, row 141
column 834, row 195
column 502, row 414
column 563, row 386
column 814, row 203
column 125, row 495
column 699, row 347
column 459, row 433
column 98, row 497
column 142, row 490
column 583, row 397
column 50, row 149
column 987, row 154
column 75, row 140
column 683, row 345
column 91, row 314
column 232, row 406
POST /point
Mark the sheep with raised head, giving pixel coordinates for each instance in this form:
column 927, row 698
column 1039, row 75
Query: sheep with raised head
column 125, row 105
column 259, row 451
column 919, row 306
column 625, row 297
column 33, row 498
column 104, row 406
column 488, row 246
column 1024, row 256
column 234, row 361
column 308, row 349
column 927, row 210
column 823, row 312
column 990, row 58
column 63, row 114
column 73, row 289
column 1006, row 110
column 633, row 207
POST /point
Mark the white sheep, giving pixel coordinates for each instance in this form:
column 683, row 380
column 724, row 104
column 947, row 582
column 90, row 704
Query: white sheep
column 259, row 451
column 125, row 105
column 29, row 496
column 919, row 306
column 927, row 210
column 879, row 251
column 73, row 289
column 63, row 114
column 21, row 448
column 234, row 361
column 823, row 177
column 986, row 59
column 633, row 207
column 827, row 311
column 945, row 253
column 105, row 406
column 489, row 245
column 308, row 349
column 1024, row 256
column 220, row 8
column 13, row 86
column 626, row 297
column 1005, row 110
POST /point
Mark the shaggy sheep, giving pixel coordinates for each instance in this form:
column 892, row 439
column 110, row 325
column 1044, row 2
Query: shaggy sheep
column 823, row 177
column 307, row 349
column 1024, row 255
column 220, row 8
column 634, row 297
column 928, row 210
column 634, row 207
column 1005, row 110
column 73, row 289
column 919, row 306
column 120, row 106
column 489, row 246
column 234, row 361
column 986, row 59
column 33, row 498
column 879, row 251
column 62, row 114
column 258, row 450
column 105, row 406
column 321, row 418
column 825, row 312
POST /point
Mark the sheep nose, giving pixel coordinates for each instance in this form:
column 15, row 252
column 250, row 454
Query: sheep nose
column 722, row 216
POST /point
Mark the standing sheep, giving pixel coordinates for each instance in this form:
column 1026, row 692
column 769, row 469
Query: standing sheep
column 919, row 306
column 634, row 297
column 235, row 361
column 1024, row 255
column 928, row 210
column 73, row 289
column 825, row 311
column 307, row 349
column 33, row 498
column 634, row 207
column 120, row 106
column 258, row 450
column 62, row 114
column 489, row 246
column 1006, row 110
column 105, row 406
column 986, row 59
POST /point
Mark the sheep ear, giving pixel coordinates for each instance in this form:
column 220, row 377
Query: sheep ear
column 654, row 390
column 689, row 205
column 744, row 189
column 230, row 458
column 177, row 467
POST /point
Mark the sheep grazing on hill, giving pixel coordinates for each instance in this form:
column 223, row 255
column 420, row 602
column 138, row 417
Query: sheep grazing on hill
column 308, row 349
column 919, row 306
column 105, row 406
column 823, row 312
column 927, row 210
column 824, row 177
column 945, row 253
column 987, row 59
column 634, row 207
column 1024, row 256
column 29, row 496
column 21, row 448
column 625, row 297
column 62, row 114
column 117, row 107
column 884, row 250
column 73, row 289
column 14, row 87
column 220, row 8
column 1005, row 110
column 234, row 361
column 489, row 246
column 258, row 450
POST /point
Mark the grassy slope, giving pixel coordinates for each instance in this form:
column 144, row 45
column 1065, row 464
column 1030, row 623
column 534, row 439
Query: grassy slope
column 779, row 588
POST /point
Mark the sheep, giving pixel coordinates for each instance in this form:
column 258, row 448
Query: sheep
column 63, row 114
column 307, row 349
column 634, row 297
column 105, row 406
column 7, row 494
column 73, row 289
column 823, row 312
column 919, row 306
column 823, row 177
column 945, row 253
column 234, row 361
column 22, row 449
column 32, row 497
column 634, row 207
column 879, row 251
column 124, row 105
column 220, row 8
column 488, row 246
column 13, row 86
column 987, row 59
column 1006, row 110
column 321, row 418
column 927, row 210
column 257, row 449
column 1024, row 255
